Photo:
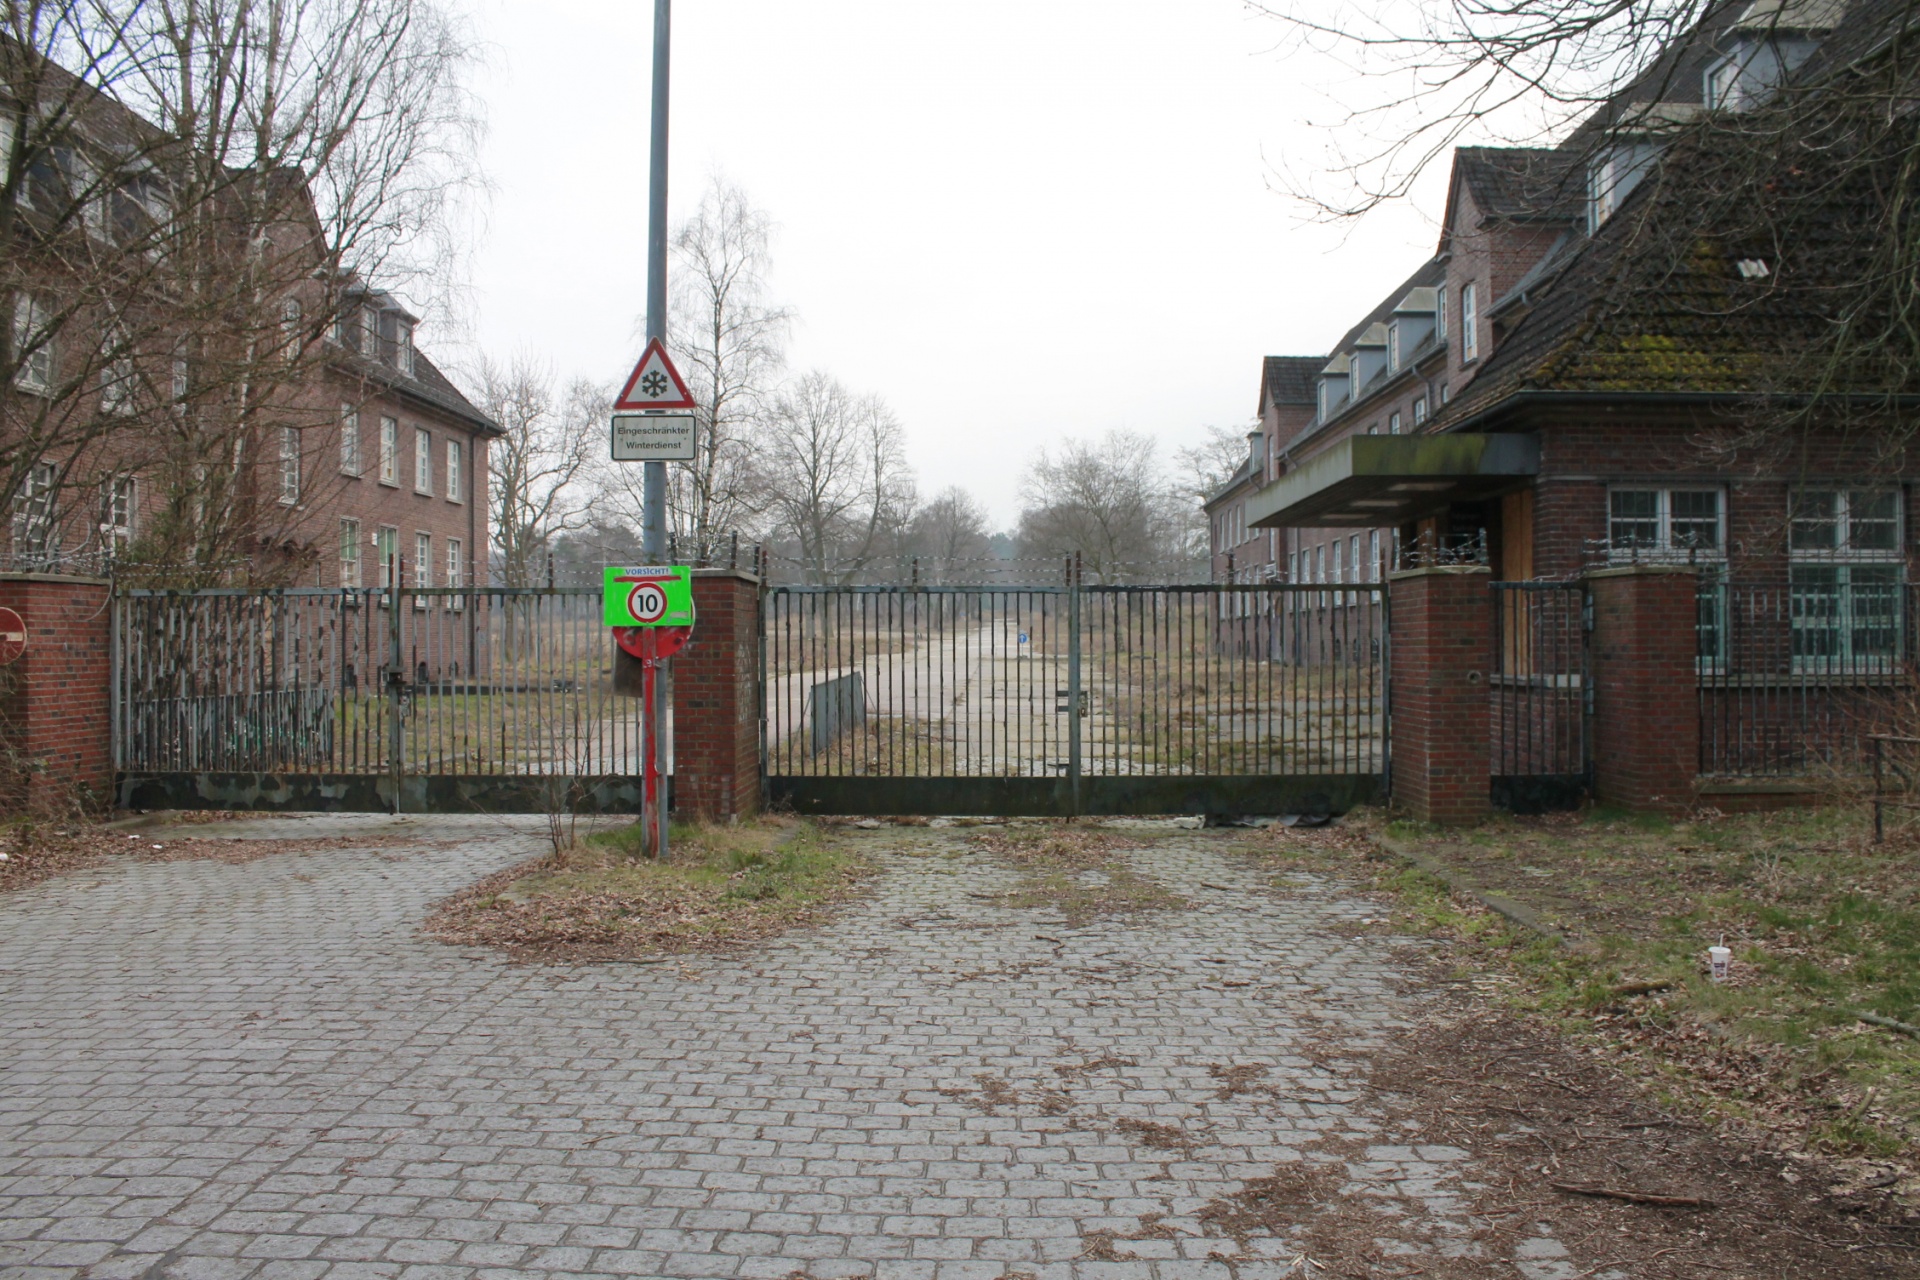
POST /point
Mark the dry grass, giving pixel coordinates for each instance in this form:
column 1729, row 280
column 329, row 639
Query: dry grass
column 1073, row 870
column 723, row 886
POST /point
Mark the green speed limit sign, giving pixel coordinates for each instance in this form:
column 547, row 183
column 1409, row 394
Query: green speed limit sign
column 648, row 596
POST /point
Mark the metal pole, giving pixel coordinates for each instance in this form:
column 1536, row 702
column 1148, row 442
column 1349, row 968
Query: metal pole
column 1074, row 636
column 653, row 528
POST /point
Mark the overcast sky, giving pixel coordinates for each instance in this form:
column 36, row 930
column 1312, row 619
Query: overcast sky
column 1016, row 220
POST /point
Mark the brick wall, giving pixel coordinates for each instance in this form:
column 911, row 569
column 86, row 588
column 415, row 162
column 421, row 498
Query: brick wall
column 716, row 705
column 54, row 710
column 1646, row 723
column 1442, row 632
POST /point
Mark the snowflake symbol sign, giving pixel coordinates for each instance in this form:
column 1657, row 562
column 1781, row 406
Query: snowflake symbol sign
column 654, row 384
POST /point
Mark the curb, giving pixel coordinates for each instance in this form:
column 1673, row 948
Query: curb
column 1524, row 916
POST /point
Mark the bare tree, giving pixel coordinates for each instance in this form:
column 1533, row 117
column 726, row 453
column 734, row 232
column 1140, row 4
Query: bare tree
column 535, row 467
column 730, row 341
column 1209, row 464
column 838, row 489
column 948, row 533
column 1109, row 501
column 191, row 197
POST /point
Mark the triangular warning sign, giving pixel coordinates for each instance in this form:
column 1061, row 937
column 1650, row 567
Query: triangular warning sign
column 655, row 383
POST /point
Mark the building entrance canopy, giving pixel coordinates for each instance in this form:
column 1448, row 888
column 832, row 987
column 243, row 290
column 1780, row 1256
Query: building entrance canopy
column 1370, row 481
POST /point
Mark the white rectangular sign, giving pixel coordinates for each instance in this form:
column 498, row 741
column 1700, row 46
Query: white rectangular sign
column 653, row 437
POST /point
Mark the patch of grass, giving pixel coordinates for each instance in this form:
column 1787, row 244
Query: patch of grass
column 1822, row 924
column 600, row 900
column 1073, row 870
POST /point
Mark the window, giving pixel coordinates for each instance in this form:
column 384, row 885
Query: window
column 116, row 512
column 1440, row 314
column 1393, row 423
column 1320, row 563
column 349, row 440
column 1353, row 553
column 1393, row 347
column 389, row 451
column 1446, row 393
column 453, row 564
column 403, row 347
column 1613, row 176
column 422, row 559
column 1851, row 523
column 33, row 514
column 1293, row 566
column 290, row 327
column 116, row 373
column 386, row 549
column 1678, row 523
column 182, row 384
column 32, row 345
column 422, row 461
column 1469, row 324
column 1844, row 579
column 370, row 333
column 1373, row 555
column 289, row 465
column 349, row 552
column 454, row 458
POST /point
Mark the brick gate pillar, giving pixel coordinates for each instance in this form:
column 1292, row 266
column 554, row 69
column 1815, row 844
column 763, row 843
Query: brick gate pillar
column 716, row 700
column 56, row 743
column 1441, row 620
column 1646, row 712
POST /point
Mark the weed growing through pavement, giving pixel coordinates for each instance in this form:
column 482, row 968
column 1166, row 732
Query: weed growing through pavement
column 1074, row 871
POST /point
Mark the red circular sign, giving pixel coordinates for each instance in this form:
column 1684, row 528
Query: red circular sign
column 13, row 636
column 650, row 644
column 647, row 602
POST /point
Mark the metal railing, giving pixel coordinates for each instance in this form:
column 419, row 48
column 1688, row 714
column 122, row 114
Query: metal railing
column 1541, row 695
column 1072, row 682
column 1796, row 679
column 421, row 681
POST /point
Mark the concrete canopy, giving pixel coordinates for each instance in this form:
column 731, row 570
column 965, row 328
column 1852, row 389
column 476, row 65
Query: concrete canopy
column 1369, row 481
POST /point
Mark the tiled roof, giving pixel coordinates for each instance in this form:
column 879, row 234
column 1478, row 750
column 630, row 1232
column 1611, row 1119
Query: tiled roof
column 427, row 384
column 1289, row 379
column 1431, row 272
column 1525, row 183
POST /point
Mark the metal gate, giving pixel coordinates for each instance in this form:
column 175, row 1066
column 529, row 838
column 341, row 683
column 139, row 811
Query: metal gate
column 1542, row 696
column 443, row 700
column 1075, row 700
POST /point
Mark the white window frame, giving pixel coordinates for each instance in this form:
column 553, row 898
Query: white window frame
column 456, row 573
column 35, row 372
column 290, row 319
column 116, row 375
column 1844, row 500
column 386, row 551
column 1853, row 623
column 119, row 506
column 1420, row 411
column 1469, row 322
column 289, row 466
column 349, row 551
column 181, row 385
column 456, row 458
column 422, row 565
column 390, row 451
column 403, row 346
column 33, row 510
column 1663, row 548
column 1393, row 423
column 1393, row 347
column 350, row 464
column 423, row 461
column 1440, row 313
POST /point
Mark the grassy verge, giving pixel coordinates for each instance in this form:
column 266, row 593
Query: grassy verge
column 1823, row 924
column 599, row 900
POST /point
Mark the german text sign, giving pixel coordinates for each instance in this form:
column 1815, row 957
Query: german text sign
column 648, row 596
column 653, row 437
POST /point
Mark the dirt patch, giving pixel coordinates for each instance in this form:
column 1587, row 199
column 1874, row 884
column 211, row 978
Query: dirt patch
column 1074, row 870
column 598, row 901
column 32, row 852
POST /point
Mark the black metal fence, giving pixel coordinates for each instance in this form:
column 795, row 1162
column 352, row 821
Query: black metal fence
column 1796, row 679
column 1212, row 698
column 337, row 698
column 1541, row 696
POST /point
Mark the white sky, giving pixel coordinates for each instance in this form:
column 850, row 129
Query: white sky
column 1014, row 219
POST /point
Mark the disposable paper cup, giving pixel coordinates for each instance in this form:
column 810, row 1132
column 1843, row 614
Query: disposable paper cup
column 1721, row 959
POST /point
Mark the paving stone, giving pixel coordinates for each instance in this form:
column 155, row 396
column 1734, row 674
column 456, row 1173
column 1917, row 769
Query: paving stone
column 262, row 1072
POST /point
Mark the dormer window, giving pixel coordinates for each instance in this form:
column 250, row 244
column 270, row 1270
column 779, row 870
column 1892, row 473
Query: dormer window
column 1440, row 314
column 1753, row 69
column 1612, row 177
column 370, row 332
column 1469, row 323
column 1393, row 348
column 403, row 347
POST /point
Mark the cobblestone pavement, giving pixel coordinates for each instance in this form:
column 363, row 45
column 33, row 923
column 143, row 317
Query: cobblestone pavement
column 261, row 1070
